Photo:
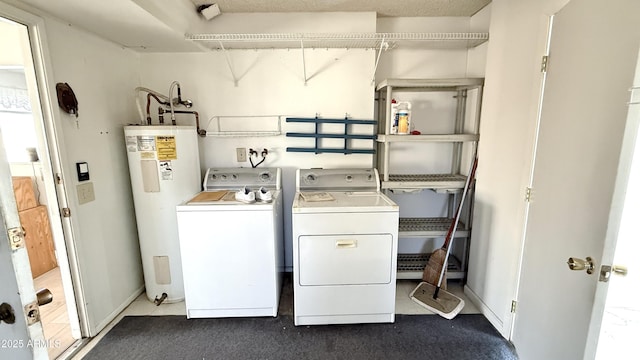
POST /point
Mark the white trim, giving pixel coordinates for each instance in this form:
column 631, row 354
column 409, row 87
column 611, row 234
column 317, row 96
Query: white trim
column 114, row 314
column 486, row 311
column 53, row 150
column 511, row 321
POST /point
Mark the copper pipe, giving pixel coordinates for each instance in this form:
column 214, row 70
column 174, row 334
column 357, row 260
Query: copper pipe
column 195, row 113
column 149, row 96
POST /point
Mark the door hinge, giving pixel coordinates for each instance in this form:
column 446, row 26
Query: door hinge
column 528, row 194
column 66, row 212
column 16, row 237
column 545, row 62
column 514, row 304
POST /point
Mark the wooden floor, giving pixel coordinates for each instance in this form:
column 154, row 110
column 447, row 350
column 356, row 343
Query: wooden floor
column 54, row 316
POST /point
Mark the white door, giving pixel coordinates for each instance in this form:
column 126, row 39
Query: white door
column 592, row 60
column 17, row 339
column 615, row 319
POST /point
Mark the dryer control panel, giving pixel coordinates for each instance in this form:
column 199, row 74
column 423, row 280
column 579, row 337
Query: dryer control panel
column 337, row 180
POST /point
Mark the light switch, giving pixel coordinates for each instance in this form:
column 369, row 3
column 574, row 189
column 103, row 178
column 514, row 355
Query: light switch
column 85, row 193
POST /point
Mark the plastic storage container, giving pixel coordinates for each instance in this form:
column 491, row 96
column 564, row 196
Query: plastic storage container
column 402, row 118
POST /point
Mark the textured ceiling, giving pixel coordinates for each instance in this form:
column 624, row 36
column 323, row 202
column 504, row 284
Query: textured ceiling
column 381, row 7
column 160, row 25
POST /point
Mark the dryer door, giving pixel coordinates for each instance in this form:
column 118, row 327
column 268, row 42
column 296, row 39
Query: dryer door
column 345, row 259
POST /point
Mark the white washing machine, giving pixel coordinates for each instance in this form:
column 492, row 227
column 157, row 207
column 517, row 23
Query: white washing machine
column 345, row 245
column 232, row 251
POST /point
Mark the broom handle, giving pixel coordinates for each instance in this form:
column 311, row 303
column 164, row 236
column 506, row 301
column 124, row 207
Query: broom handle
column 454, row 224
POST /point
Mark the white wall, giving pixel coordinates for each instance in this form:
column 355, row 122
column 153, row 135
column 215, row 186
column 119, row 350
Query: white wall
column 511, row 93
column 10, row 56
column 102, row 76
column 270, row 82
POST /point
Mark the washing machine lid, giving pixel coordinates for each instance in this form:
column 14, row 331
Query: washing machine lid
column 237, row 178
column 342, row 201
column 224, row 200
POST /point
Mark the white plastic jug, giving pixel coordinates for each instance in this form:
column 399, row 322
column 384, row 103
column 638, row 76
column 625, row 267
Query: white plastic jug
column 404, row 118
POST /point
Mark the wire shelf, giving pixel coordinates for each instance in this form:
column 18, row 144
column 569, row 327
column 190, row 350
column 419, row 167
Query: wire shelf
column 429, row 227
column 234, row 126
column 411, row 266
column 339, row 40
column 425, row 181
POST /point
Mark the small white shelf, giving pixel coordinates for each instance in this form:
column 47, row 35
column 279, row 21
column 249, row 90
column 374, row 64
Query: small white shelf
column 236, row 126
column 428, row 138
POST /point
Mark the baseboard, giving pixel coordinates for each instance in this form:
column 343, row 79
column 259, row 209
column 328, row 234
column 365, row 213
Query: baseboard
column 74, row 349
column 485, row 310
column 117, row 311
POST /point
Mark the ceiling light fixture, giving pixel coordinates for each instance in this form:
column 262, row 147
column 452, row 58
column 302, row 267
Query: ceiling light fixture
column 209, row 11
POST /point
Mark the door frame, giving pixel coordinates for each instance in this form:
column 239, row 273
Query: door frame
column 41, row 86
column 532, row 166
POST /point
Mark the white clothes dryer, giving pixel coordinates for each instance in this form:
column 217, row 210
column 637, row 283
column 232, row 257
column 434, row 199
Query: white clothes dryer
column 345, row 245
column 232, row 251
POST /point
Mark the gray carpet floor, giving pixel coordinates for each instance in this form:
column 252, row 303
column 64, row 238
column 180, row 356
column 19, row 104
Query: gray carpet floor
column 410, row 337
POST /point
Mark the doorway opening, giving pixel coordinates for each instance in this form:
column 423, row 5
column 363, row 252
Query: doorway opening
column 23, row 136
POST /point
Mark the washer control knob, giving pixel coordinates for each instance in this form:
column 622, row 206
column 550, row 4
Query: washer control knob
column 310, row 178
column 349, row 178
column 234, row 176
column 265, row 176
column 223, row 176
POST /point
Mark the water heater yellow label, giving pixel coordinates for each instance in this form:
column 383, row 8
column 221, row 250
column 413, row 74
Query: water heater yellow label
column 166, row 147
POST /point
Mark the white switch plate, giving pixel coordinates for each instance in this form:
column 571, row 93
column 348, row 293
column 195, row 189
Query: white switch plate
column 241, row 154
column 85, row 193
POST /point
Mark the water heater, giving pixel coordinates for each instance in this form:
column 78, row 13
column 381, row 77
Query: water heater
column 164, row 165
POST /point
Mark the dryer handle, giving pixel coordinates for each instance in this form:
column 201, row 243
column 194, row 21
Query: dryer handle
column 346, row 244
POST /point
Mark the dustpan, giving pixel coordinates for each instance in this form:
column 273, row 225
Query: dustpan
column 444, row 304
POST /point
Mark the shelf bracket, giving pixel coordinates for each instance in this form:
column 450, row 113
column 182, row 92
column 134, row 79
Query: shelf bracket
column 304, row 65
column 383, row 45
column 226, row 53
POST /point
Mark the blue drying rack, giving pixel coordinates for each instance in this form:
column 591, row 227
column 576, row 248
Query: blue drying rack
column 317, row 135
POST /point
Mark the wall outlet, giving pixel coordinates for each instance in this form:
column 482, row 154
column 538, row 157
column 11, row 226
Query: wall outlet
column 241, row 155
column 85, row 193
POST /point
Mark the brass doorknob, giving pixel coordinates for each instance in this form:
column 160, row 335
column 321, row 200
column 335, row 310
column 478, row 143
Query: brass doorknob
column 6, row 314
column 579, row 264
column 607, row 270
column 44, row 297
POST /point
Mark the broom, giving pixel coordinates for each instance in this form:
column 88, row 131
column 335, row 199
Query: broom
column 446, row 305
column 433, row 271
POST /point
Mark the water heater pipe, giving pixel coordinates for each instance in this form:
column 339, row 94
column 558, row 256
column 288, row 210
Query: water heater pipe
column 173, row 115
column 139, row 106
column 200, row 132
